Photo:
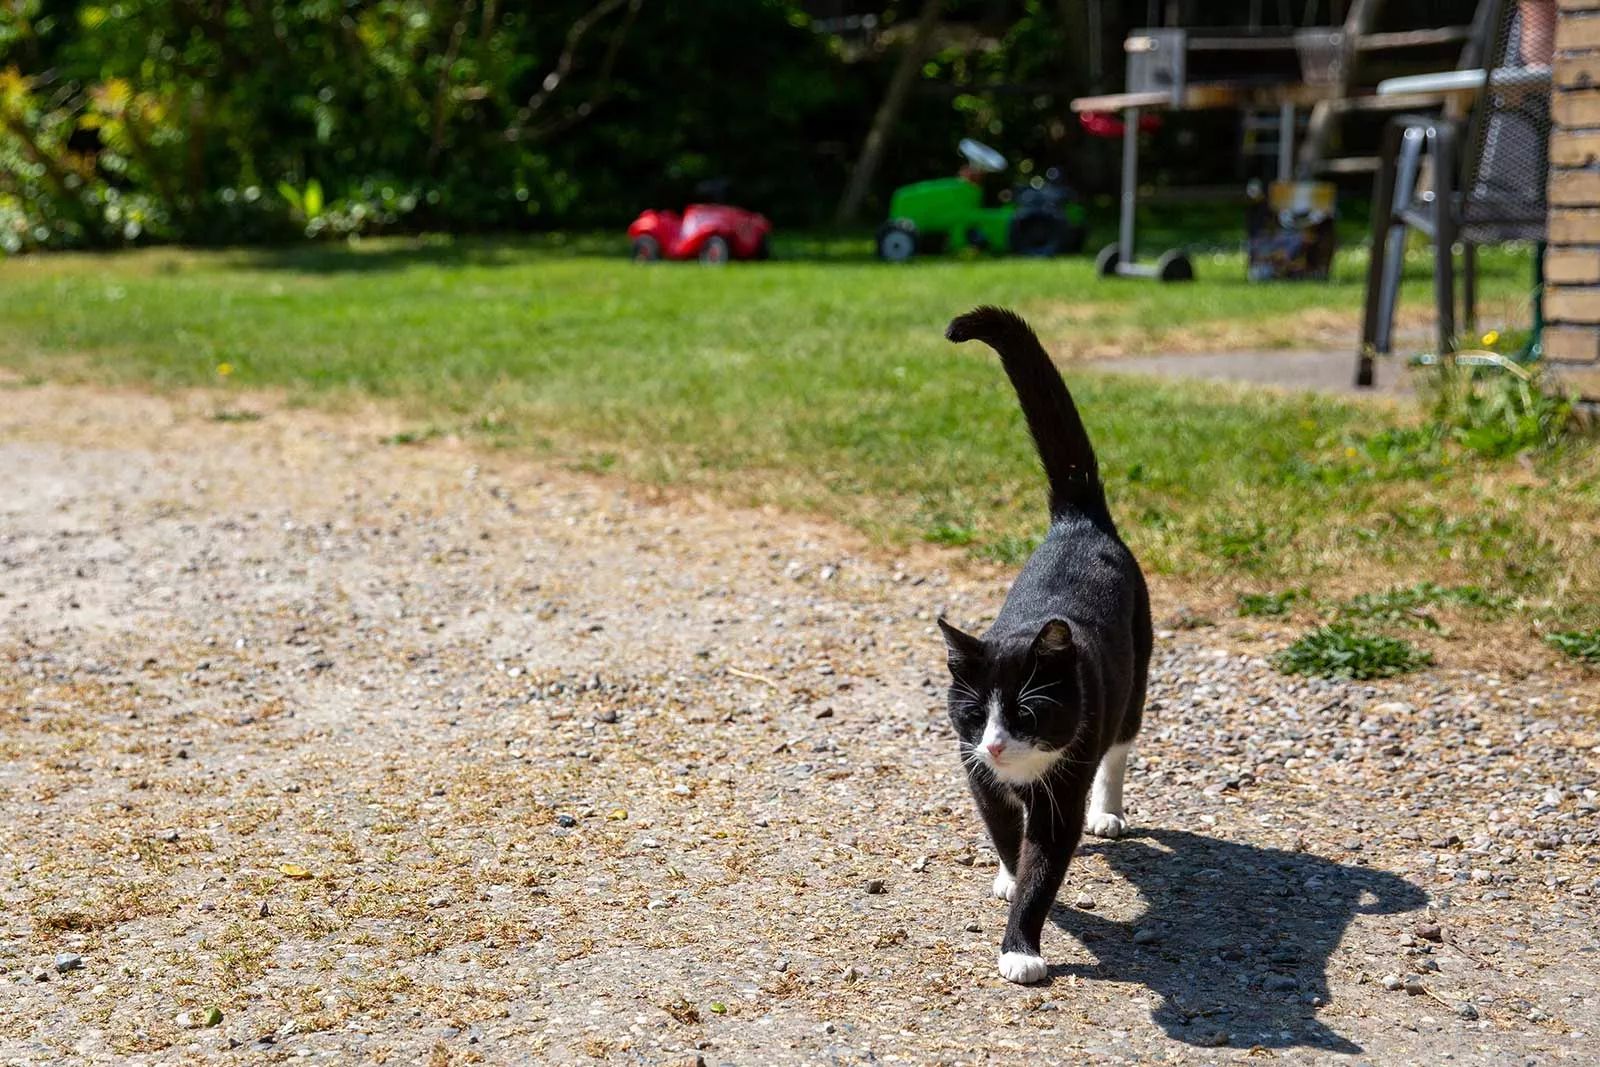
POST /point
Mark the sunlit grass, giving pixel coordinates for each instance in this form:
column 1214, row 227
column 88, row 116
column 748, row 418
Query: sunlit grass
column 824, row 384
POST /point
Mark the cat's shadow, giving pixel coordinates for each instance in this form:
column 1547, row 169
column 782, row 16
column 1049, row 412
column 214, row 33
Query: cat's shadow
column 1233, row 925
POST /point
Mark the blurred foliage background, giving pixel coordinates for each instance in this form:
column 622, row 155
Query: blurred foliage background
column 253, row 121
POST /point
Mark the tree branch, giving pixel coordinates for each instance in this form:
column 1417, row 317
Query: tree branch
column 441, row 95
column 518, row 130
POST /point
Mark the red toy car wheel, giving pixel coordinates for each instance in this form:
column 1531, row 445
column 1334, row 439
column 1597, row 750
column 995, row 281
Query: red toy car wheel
column 646, row 249
column 715, row 251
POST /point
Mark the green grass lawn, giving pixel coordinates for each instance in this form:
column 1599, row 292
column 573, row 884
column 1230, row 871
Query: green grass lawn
column 822, row 382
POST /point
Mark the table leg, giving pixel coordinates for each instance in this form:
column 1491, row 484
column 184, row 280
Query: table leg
column 1285, row 142
column 1130, row 184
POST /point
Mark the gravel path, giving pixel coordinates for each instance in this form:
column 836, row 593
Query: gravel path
column 411, row 754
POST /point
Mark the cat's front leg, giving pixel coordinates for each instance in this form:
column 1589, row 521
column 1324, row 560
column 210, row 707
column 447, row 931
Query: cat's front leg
column 1002, row 816
column 1054, row 824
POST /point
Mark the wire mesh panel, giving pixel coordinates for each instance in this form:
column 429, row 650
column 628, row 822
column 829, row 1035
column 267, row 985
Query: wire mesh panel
column 1508, row 155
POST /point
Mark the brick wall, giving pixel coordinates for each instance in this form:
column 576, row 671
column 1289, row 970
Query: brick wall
column 1572, row 261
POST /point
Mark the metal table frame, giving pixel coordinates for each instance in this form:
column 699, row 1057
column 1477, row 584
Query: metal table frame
column 1120, row 259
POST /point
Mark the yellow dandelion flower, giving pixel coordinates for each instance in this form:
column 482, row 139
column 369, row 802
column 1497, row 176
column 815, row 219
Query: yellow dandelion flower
column 1491, row 337
column 224, row 369
column 1351, row 452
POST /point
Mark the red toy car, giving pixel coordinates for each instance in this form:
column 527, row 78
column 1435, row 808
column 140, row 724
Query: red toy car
column 715, row 233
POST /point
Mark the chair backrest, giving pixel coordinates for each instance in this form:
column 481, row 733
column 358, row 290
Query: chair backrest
column 1506, row 156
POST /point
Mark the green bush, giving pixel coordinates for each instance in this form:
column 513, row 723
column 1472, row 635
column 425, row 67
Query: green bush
column 1581, row 645
column 211, row 123
column 1342, row 651
column 1264, row 604
column 1498, row 411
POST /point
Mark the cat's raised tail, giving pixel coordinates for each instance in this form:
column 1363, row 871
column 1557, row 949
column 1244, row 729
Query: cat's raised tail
column 1052, row 418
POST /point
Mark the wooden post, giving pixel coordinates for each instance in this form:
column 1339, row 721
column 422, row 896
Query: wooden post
column 905, row 74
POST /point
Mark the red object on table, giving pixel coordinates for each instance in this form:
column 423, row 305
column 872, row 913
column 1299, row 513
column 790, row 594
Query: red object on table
column 1106, row 124
column 711, row 232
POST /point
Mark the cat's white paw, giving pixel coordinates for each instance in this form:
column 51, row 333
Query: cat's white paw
column 1005, row 886
column 1105, row 824
column 1021, row 968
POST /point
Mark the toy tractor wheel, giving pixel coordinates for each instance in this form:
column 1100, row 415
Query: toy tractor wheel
column 897, row 242
column 1105, row 264
column 714, row 252
column 763, row 248
column 646, row 249
column 1073, row 238
column 1036, row 235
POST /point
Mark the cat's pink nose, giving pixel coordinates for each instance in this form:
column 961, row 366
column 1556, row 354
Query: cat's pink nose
column 995, row 748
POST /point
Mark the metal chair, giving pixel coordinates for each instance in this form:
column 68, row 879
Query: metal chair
column 1488, row 186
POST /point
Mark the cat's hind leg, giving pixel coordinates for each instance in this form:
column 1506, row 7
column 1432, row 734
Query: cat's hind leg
column 1106, row 818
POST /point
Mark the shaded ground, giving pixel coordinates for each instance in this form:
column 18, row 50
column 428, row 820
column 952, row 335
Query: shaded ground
column 1330, row 371
column 395, row 753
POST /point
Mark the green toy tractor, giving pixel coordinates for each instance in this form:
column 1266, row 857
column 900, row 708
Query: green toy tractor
column 1042, row 217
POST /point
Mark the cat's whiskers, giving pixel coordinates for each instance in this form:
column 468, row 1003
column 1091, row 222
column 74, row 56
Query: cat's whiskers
column 1050, row 795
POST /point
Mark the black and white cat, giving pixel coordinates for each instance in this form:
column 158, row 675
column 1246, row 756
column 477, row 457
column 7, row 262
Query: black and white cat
column 1047, row 703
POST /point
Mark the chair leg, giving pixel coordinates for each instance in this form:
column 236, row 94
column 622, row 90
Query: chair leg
column 1444, row 238
column 1407, row 169
column 1469, row 287
column 1382, row 231
column 1444, row 286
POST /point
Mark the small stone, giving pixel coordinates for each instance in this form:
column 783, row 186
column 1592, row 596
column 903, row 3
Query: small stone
column 1413, row 985
column 263, row 911
column 1429, row 932
column 782, row 964
column 974, row 928
column 1145, row 936
column 693, row 1059
column 207, row 906
column 169, row 836
column 186, row 1020
column 566, row 820
column 824, row 712
column 607, row 716
column 438, row 901
column 921, row 864
column 1085, row 901
column 656, row 905
column 1279, row 983
column 1481, row 876
column 1392, row 982
column 1466, row 1010
column 851, row 974
column 874, row 885
column 69, row 961
column 1214, row 1039
column 41, row 974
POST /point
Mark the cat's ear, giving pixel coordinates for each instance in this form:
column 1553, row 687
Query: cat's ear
column 964, row 650
column 1055, row 639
